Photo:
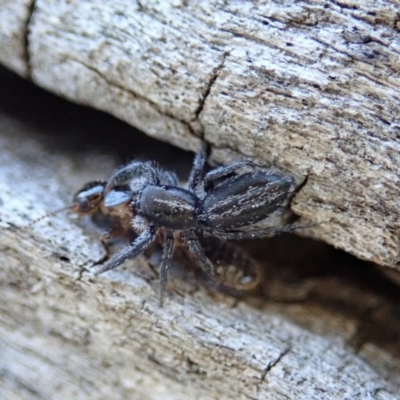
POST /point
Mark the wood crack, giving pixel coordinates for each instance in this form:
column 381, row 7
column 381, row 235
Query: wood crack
column 197, row 112
column 26, row 53
column 273, row 363
column 213, row 78
column 131, row 92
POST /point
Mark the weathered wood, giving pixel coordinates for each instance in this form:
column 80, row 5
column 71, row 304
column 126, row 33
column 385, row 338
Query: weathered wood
column 66, row 334
column 14, row 17
column 311, row 87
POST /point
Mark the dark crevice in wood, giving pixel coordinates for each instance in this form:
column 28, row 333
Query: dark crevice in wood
column 27, row 55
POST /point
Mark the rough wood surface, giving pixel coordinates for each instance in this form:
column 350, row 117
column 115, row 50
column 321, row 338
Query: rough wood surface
column 66, row 334
column 311, row 87
column 14, row 17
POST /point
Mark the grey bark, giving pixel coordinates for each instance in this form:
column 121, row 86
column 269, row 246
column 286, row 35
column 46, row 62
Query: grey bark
column 311, row 88
column 308, row 87
column 65, row 333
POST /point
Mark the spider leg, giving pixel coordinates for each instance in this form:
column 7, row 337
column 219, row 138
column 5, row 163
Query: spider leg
column 223, row 171
column 198, row 168
column 168, row 252
column 140, row 244
column 134, row 170
column 168, row 178
column 258, row 233
column 194, row 246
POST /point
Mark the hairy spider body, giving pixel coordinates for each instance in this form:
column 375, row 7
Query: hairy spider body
column 235, row 271
column 168, row 206
column 243, row 200
column 236, row 202
column 215, row 204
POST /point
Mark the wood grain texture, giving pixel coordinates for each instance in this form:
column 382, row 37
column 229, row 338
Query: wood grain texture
column 310, row 87
column 65, row 333
column 15, row 17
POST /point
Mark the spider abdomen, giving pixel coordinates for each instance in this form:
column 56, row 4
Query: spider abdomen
column 169, row 206
column 244, row 199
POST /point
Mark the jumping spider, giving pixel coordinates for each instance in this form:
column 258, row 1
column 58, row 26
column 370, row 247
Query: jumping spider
column 213, row 204
column 235, row 271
